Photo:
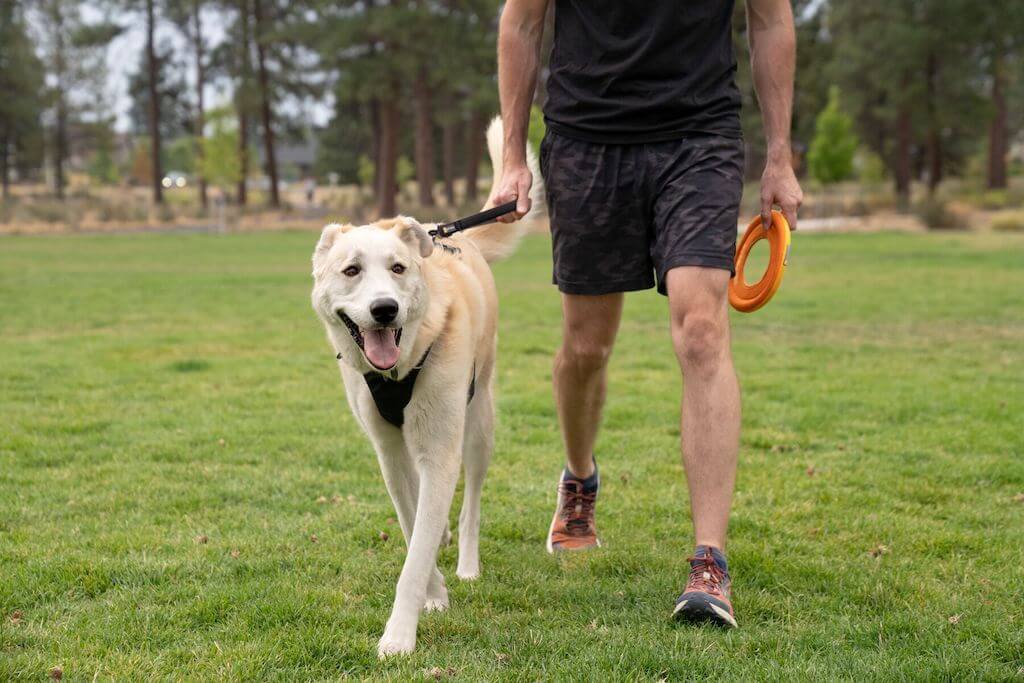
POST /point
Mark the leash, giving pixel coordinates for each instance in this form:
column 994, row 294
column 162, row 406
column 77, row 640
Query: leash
column 477, row 219
column 745, row 297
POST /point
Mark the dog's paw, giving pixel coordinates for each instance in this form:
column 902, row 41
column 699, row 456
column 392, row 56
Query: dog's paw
column 438, row 604
column 392, row 644
column 468, row 573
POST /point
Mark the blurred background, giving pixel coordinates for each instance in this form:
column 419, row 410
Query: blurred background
column 248, row 114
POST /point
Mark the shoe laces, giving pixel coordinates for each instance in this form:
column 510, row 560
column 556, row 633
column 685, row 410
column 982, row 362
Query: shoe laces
column 577, row 506
column 705, row 574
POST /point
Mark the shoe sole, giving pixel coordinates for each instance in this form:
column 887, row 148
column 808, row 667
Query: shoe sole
column 698, row 609
column 551, row 530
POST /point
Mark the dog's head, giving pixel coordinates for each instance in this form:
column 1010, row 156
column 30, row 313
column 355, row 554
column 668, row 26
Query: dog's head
column 368, row 287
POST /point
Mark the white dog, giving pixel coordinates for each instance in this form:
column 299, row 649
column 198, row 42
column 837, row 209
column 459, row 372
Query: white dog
column 414, row 328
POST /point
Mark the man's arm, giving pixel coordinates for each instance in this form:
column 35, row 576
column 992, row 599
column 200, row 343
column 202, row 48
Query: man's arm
column 772, row 39
column 519, row 37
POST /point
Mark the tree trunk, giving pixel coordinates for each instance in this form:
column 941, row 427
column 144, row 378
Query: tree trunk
column 197, row 37
column 5, row 174
column 154, row 104
column 934, row 143
column 242, row 103
column 375, row 145
column 388, row 153
column 474, row 152
column 423, row 97
column 998, row 138
column 902, row 165
column 61, row 141
column 265, row 109
column 448, row 161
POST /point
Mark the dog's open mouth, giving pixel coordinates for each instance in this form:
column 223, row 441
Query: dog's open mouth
column 379, row 345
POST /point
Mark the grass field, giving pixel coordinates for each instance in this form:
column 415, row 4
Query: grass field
column 184, row 495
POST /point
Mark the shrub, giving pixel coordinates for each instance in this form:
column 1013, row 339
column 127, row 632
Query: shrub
column 830, row 158
column 937, row 214
column 1009, row 222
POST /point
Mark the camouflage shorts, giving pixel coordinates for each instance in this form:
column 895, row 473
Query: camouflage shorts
column 622, row 215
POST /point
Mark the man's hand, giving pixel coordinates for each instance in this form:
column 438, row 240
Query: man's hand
column 514, row 184
column 779, row 187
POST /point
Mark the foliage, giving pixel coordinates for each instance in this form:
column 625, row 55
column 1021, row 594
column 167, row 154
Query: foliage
column 830, row 157
column 220, row 164
column 938, row 214
column 537, row 128
column 366, row 171
column 21, row 85
column 870, row 167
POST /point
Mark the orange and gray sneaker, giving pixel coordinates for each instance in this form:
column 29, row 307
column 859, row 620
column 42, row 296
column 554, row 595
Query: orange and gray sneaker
column 573, row 525
column 706, row 597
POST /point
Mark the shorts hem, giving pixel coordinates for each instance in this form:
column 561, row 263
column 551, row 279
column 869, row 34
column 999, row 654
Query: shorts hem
column 716, row 262
column 603, row 287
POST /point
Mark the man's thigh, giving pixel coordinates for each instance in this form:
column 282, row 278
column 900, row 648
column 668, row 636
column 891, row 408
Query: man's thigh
column 600, row 225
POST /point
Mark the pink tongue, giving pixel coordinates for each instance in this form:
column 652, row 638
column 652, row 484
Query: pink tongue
column 380, row 347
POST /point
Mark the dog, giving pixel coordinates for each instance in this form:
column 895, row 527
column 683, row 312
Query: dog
column 414, row 327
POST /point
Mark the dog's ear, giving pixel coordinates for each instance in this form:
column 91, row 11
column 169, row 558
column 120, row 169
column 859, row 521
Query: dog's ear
column 415, row 235
column 327, row 237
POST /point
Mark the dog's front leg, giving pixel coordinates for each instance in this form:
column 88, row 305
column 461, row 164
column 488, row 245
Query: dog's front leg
column 439, row 472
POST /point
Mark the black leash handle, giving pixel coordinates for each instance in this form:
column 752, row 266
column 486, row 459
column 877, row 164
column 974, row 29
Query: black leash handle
column 482, row 218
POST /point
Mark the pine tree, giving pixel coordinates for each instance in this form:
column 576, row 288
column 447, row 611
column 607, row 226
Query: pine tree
column 830, row 157
column 21, row 107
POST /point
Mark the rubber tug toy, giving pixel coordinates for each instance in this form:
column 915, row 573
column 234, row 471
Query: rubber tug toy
column 746, row 297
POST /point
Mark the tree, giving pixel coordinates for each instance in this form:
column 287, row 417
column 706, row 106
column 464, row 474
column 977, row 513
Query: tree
column 152, row 69
column 263, row 36
column 189, row 19
column 832, row 150
column 219, row 162
column 21, row 107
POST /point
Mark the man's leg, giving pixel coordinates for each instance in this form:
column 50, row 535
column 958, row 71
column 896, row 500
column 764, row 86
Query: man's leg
column 698, row 299
column 710, row 427
column 589, row 326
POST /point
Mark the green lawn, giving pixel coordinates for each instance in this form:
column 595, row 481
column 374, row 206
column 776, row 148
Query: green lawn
column 184, row 495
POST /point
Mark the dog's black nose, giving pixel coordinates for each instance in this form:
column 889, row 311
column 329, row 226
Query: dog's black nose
column 384, row 310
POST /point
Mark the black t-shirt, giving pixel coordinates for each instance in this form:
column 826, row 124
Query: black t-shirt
column 642, row 70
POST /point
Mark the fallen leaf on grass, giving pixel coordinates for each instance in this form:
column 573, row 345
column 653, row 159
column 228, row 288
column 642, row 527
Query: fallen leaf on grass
column 810, row 470
column 202, row 539
column 235, row 554
column 1019, row 498
column 955, row 619
column 313, row 538
column 880, row 550
column 221, row 442
column 56, row 673
column 321, row 500
column 16, row 617
column 384, row 536
column 438, row 673
column 502, row 657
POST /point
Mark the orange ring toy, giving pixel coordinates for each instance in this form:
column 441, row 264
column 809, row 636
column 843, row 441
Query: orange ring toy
column 746, row 297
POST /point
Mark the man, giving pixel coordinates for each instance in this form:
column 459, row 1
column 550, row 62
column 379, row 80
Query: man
column 643, row 162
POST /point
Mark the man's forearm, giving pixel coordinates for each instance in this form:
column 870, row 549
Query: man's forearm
column 519, row 38
column 773, row 60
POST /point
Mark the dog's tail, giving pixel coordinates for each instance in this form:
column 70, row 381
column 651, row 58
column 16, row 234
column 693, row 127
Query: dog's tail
column 498, row 240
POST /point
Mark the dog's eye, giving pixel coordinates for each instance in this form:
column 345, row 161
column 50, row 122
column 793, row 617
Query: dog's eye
column 398, row 269
column 351, row 271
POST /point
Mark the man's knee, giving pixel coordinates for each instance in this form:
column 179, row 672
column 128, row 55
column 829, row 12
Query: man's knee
column 583, row 356
column 701, row 341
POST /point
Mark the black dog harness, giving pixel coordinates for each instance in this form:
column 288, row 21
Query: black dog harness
column 392, row 396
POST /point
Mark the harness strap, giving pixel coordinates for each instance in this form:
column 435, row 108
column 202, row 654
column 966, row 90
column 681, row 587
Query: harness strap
column 392, row 396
